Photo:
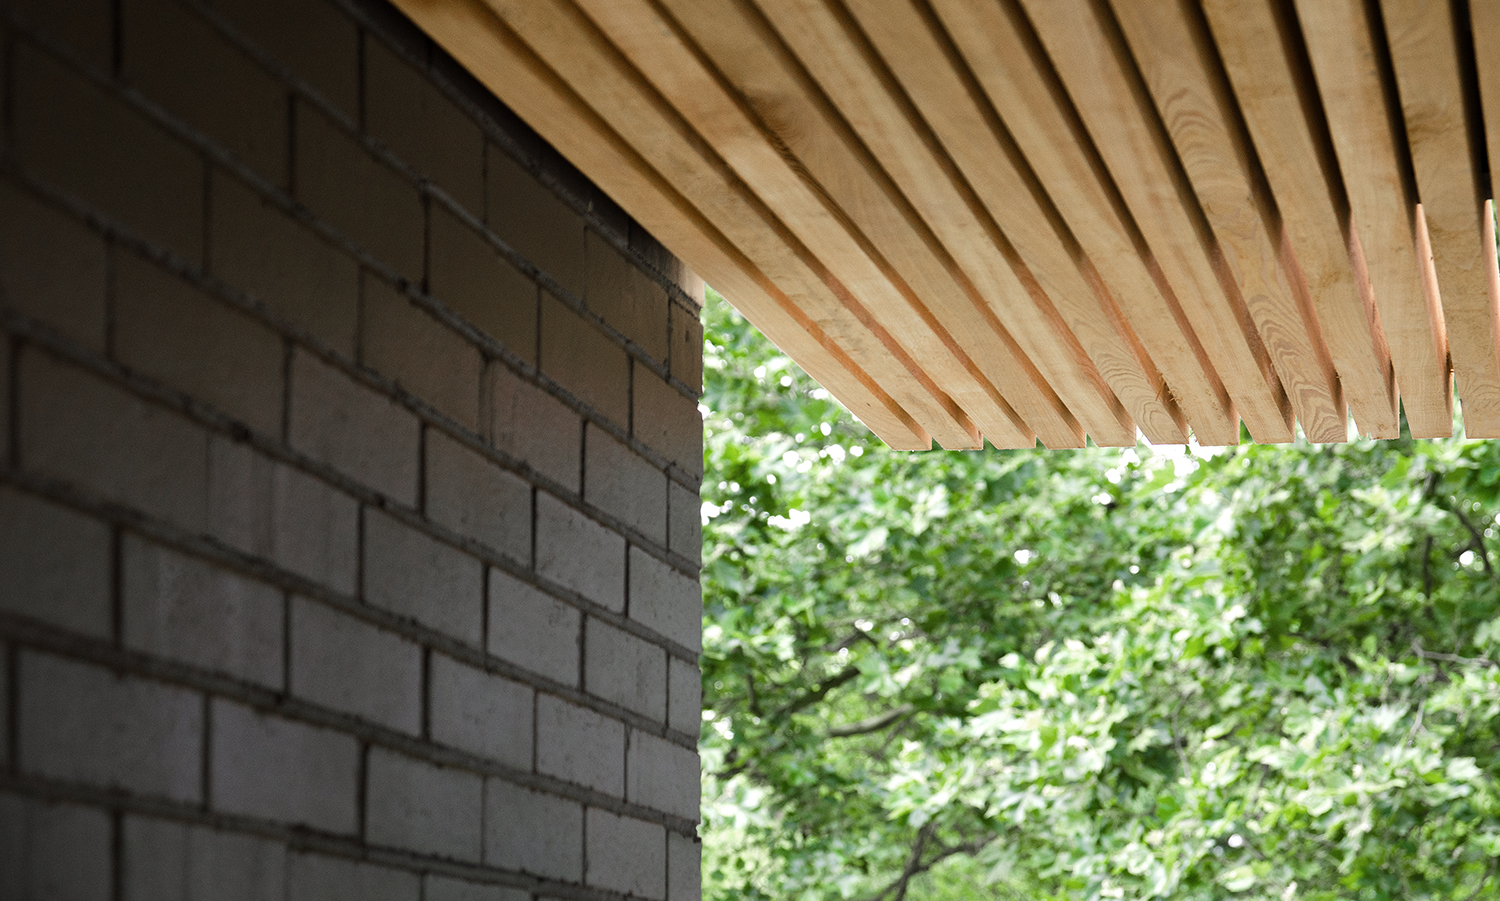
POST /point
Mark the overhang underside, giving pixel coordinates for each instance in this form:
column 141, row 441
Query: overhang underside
column 1054, row 220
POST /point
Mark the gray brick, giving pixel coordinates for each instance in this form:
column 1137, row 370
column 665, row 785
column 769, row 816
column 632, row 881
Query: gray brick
column 481, row 713
column 684, row 868
column 578, row 745
column 54, row 565
column 624, row 484
column 186, row 609
column 624, row 669
column 685, row 521
column 71, row 133
column 53, row 851
column 684, row 696
column 586, row 363
column 356, row 431
column 423, row 356
column 341, row 182
column 535, row 427
column 321, row 50
column 468, row 275
column 687, row 347
column 259, row 249
column 663, row 776
column 667, row 421
column 532, row 832
column 533, row 629
column 5, row 744
column 171, row 861
column 5, row 392
column 533, row 220
column 277, row 769
column 177, row 59
column 78, row 428
column 52, row 267
column 665, row 601
column 579, row 554
column 626, row 855
column 352, row 666
column 415, row 576
column 626, row 297
column 81, row 723
column 419, row 807
column 173, row 332
column 441, row 888
column 473, row 496
column 313, row 877
column 84, row 26
column 404, row 109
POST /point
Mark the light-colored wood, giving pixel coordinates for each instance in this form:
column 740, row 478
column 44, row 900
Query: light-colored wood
column 1176, row 61
column 1278, row 100
column 1426, row 58
column 1360, row 119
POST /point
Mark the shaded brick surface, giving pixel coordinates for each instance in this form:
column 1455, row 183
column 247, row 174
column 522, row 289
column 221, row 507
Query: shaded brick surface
column 405, row 109
column 474, row 497
column 587, row 364
column 667, row 421
column 412, row 575
column 467, row 274
column 55, row 565
column 662, row 775
column 536, row 428
column 665, row 600
column 169, row 861
column 626, row 855
column 353, row 429
column 322, row 51
column 627, row 298
column 533, row 220
column 316, row 877
column 578, row 745
column 51, row 267
column 624, row 669
column 579, row 553
column 532, row 832
column 278, row 769
column 53, row 850
column 420, row 807
column 684, row 696
column 423, row 356
column 625, row 485
column 349, row 665
column 484, row 714
column 532, row 629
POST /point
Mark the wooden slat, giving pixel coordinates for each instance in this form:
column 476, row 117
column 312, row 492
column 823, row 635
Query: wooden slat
column 920, row 59
column 476, row 38
column 1262, row 55
column 1425, row 53
column 1176, row 61
column 613, row 90
column 722, row 115
column 1360, row 118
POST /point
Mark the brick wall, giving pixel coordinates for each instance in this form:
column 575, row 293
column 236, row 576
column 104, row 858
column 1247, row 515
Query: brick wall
column 349, row 508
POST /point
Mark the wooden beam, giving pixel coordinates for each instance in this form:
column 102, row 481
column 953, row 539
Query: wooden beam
column 1263, row 56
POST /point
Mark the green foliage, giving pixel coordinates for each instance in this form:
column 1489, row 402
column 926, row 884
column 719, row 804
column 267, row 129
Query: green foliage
column 1262, row 673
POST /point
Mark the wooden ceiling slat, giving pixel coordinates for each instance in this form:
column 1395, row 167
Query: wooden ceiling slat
column 1340, row 42
column 469, row 30
column 1279, row 102
column 1176, row 61
column 1424, row 50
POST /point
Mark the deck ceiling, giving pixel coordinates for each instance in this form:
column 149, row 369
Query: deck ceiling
column 1054, row 219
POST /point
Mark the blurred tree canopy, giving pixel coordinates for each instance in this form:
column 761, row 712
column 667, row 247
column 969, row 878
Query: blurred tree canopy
column 1261, row 673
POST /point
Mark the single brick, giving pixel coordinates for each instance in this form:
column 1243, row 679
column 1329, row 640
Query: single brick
column 175, row 57
column 586, row 363
column 175, row 333
column 687, row 348
column 258, row 248
column 315, row 41
column 423, row 808
column 350, row 665
column 441, row 888
column 83, row 26
column 5, row 743
column 276, row 769
column 431, row 361
column 624, row 670
column 532, row 629
column 476, row 498
column 684, row 521
column 663, row 776
column 532, row 832
column 405, row 109
column 5, row 394
column 483, row 714
column 665, row 601
column 415, row 576
column 626, row 855
column 52, row 267
column 579, row 554
column 313, row 877
column 684, row 696
column 535, row 427
column 55, row 565
column 355, row 430
column 82, row 723
column 667, row 421
column 280, row 513
column 470, row 277
column 73, row 134
column 624, row 484
column 580, row 746
column 76, row 427
column 186, row 609
column 342, row 183
column 50, row 851
column 164, row 860
column 632, row 301
column 536, row 222
column 684, row 868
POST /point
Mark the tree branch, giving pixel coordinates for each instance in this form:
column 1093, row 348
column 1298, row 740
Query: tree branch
column 1478, row 540
column 818, row 693
column 871, row 724
column 1417, row 649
